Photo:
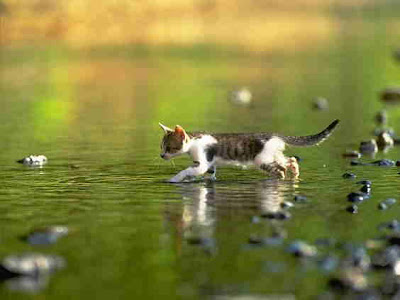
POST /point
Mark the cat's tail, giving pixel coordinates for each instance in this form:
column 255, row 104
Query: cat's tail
column 310, row 140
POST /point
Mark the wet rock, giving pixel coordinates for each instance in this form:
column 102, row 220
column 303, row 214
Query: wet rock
column 255, row 219
column 352, row 209
column 286, row 204
column 383, row 163
column 366, row 189
column 33, row 264
column 33, row 160
column 386, row 258
column 241, row 96
column 387, row 203
column 368, row 146
column 320, row 103
column 364, row 182
column 279, row 215
column 358, row 258
column 352, row 154
column 391, row 95
column 302, row 249
column 380, row 130
column 356, row 197
column 350, row 279
column 349, row 175
column 384, row 140
column 300, row 199
column 47, row 235
column 328, row 263
column 269, row 241
column 381, row 117
column 356, row 163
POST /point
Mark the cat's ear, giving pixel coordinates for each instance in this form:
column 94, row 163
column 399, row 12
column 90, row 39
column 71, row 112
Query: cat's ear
column 165, row 128
column 180, row 132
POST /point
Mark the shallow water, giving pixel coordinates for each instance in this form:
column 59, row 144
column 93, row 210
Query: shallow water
column 94, row 114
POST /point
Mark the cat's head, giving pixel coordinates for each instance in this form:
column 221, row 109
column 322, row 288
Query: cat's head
column 174, row 142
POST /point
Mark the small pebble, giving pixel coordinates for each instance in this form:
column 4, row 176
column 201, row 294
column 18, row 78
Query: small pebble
column 352, row 154
column 383, row 163
column 381, row 117
column 300, row 199
column 279, row 215
column 33, row 160
column 350, row 279
column 386, row 258
column 328, row 263
column 356, row 197
column 384, row 140
column 380, row 130
column 366, row 189
column 320, row 103
column 255, row 219
column 33, row 264
column 368, row 146
column 241, row 96
column 302, row 249
column 385, row 204
column 348, row 175
column 46, row 236
column 352, row 209
column 364, row 182
column 391, row 94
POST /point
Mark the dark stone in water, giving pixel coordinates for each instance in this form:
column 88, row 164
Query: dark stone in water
column 356, row 197
column 397, row 163
column 302, row 249
column 47, row 235
column 381, row 117
column 348, row 175
column 386, row 258
column 356, row 163
column 385, row 204
column 366, row 189
column 279, row 215
column 368, row 146
column 391, row 94
column 300, row 199
column 328, row 263
column 364, row 182
column 352, row 154
column 270, row 241
column 384, row 163
column 352, row 209
column 320, row 103
column 33, row 264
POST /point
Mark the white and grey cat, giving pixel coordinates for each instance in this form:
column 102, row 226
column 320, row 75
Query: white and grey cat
column 208, row 150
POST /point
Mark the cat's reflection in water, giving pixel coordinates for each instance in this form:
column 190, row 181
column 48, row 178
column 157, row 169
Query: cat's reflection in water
column 204, row 205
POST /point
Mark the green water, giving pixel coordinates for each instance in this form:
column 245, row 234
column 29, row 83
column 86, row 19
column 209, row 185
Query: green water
column 94, row 114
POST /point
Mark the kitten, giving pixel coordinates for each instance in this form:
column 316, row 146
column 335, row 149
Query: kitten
column 264, row 150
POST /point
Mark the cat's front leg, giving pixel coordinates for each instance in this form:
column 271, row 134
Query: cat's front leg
column 198, row 169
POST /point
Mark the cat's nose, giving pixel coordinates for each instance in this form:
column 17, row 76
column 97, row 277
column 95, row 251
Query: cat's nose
column 162, row 155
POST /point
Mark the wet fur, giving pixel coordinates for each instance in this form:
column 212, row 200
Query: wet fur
column 264, row 150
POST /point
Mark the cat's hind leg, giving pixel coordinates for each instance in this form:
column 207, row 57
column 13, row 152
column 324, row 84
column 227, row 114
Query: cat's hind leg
column 274, row 169
column 293, row 166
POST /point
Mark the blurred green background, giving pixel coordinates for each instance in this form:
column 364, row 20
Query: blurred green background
column 86, row 83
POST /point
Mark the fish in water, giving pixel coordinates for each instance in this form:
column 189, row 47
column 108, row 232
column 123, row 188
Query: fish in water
column 208, row 150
